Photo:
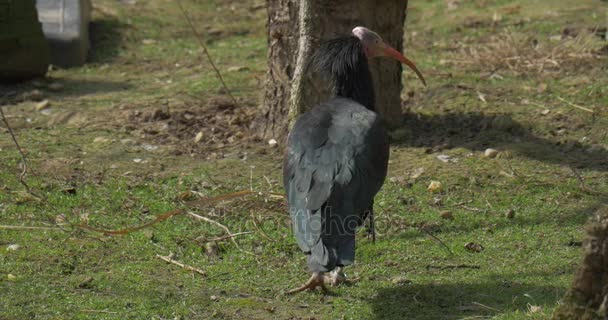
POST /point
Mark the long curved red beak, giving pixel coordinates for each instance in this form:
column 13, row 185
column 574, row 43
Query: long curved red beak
column 390, row 52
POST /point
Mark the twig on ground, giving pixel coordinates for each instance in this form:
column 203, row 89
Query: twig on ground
column 158, row 219
column 23, row 157
column 451, row 266
column 202, row 44
column 28, row 228
column 436, row 239
column 98, row 311
column 202, row 238
column 192, row 214
column 255, row 224
column 484, row 306
column 584, row 185
column 184, row 266
column 574, row 105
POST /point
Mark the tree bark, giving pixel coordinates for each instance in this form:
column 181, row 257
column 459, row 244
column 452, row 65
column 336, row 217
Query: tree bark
column 295, row 30
column 588, row 296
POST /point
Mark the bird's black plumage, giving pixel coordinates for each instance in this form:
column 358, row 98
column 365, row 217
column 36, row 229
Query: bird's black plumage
column 336, row 159
column 343, row 60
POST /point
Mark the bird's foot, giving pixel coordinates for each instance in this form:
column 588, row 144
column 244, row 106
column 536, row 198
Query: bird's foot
column 337, row 277
column 316, row 280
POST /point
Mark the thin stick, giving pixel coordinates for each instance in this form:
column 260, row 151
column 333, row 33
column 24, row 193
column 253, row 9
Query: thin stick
column 584, row 185
column 98, row 311
column 437, row 239
column 23, row 157
column 28, row 228
column 262, row 232
column 485, row 306
column 574, row 105
column 198, row 37
column 201, row 238
column 184, row 266
column 221, row 226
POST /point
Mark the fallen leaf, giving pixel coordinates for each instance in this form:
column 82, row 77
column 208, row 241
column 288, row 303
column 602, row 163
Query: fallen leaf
column 481, row 97
column 434, row 186
column 199, row 136
column 42, row 105
column 473, row 247
column 446, row 215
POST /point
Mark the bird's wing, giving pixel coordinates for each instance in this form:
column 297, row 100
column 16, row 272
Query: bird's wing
column 338, row 150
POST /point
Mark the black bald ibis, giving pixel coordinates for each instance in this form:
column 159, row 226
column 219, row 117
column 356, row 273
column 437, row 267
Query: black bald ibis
column 337, row 157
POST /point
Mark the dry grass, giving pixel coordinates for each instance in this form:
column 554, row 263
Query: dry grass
column 525, row 53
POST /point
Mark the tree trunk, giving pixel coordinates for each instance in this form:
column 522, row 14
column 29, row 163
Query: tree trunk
column 295, row 30
column 588, row 296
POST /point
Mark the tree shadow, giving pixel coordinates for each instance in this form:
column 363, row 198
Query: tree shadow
column 106, row 36
column 488, row 297
column 477, row 131
column 17, row 92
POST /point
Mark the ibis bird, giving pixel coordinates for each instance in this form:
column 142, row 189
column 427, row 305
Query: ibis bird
column 337, row 157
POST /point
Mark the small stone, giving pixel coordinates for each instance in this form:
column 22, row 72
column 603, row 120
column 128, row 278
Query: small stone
column 273, row 143
column 101, row 140
column 434, row 186
column 545, row 112
column 490, row 153
column 213, row 298
column 128, row 142
column 445, row 158
column 199, row 136
column 42, row 105
column 149, row 147
column 13, row 247
column 510, row 214
column 55, row 86
column 446, row 215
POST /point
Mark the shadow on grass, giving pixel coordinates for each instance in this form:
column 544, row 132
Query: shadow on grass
column 485, row 299
column 106, row 34
column 477, row 131
column 16, row 92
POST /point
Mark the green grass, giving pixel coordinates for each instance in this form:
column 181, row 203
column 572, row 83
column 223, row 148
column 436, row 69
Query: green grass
column 146, row 58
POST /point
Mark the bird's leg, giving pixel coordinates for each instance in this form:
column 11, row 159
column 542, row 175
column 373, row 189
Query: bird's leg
column 371, row 228
column 316, row 280
column 337, row 277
